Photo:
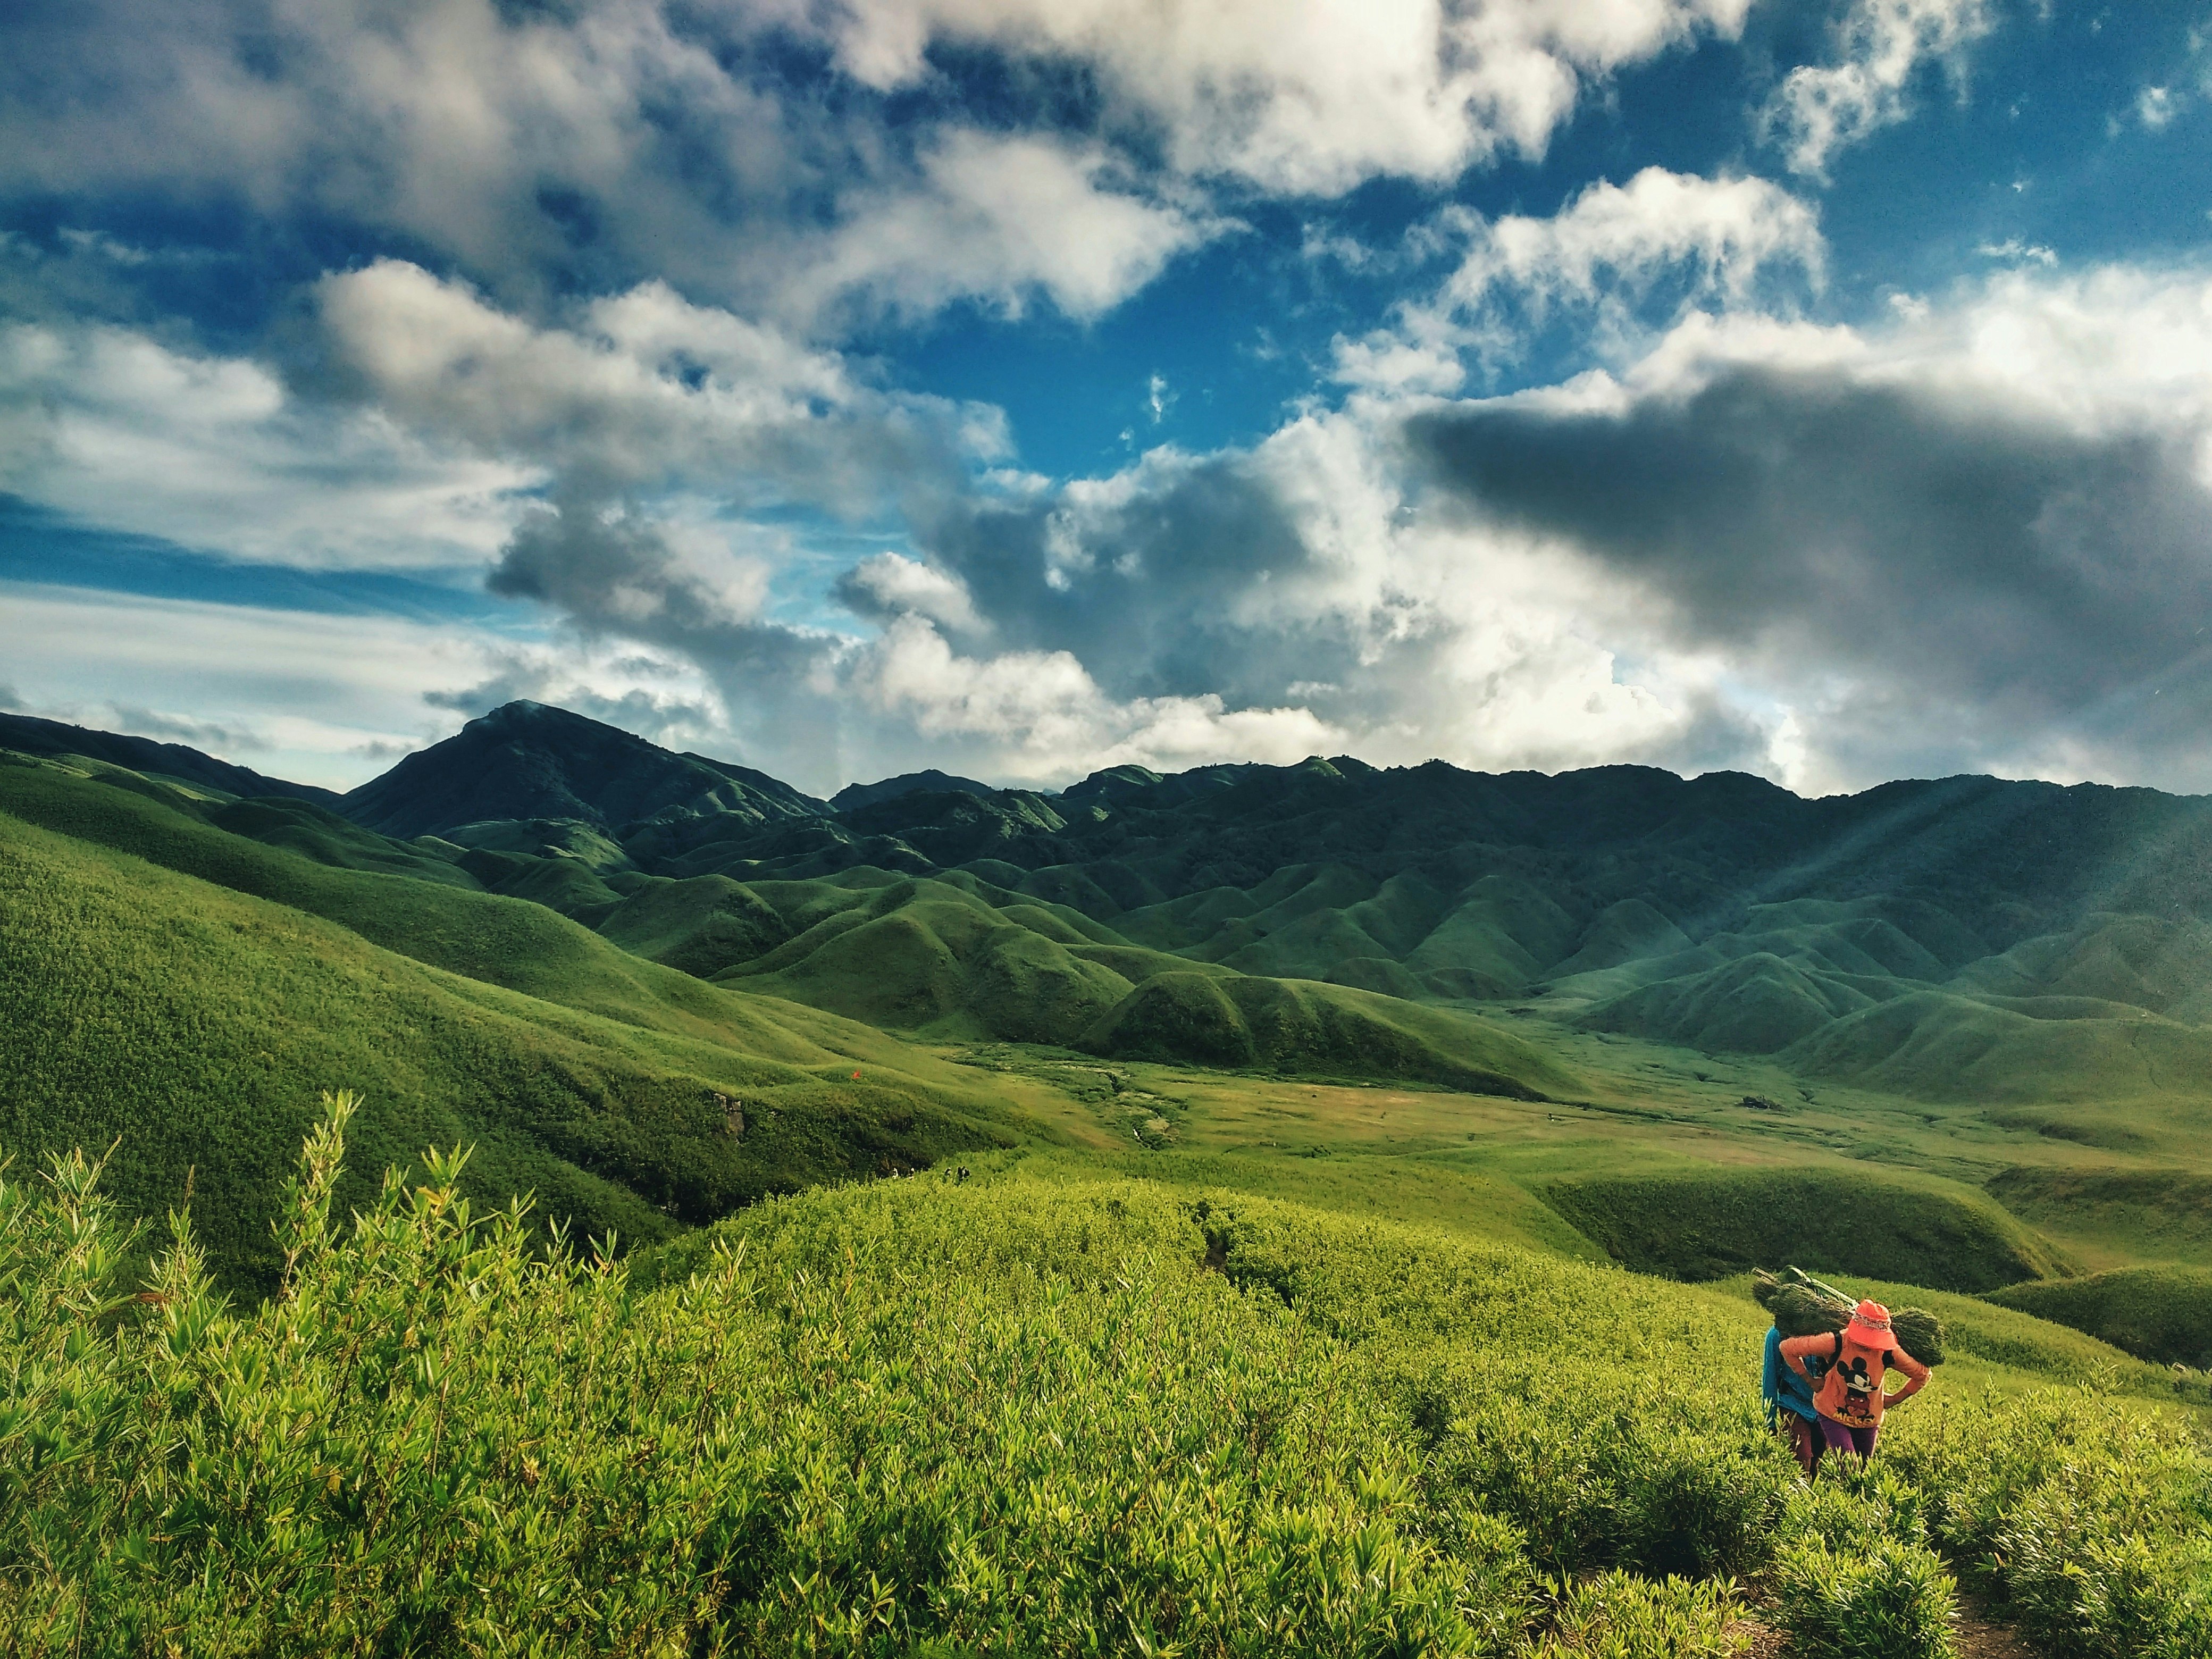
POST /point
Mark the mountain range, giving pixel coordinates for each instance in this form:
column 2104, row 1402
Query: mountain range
column 596, row 958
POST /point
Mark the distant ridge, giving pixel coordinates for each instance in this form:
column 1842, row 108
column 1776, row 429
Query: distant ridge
column 528, row 761
column 29, row 735
column 856, row 795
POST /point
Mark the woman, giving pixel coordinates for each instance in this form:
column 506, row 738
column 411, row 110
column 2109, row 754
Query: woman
column 1849, row 1399
column 1789, row 1408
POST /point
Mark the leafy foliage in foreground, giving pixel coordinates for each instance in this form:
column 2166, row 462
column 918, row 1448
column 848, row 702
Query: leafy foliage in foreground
column 1010, row 1417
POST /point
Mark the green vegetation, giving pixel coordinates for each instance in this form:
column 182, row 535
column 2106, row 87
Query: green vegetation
column 1281, row 1137
column 1015, row 1415
column 1325, row 1030
column 1714, row 1223
column 190, row 1025
column 2154, row 1313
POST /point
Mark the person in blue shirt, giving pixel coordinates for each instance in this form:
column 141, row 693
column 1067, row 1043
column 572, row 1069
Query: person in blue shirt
column 1789, row 1408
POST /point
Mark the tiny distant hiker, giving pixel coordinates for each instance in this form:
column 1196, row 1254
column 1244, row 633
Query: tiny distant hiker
column 1850, row 1397
column 1789, row 1407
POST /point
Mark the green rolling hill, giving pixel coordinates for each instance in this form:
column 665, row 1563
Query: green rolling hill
column 2000, row 989
column 184, row 992
column 1965, row 939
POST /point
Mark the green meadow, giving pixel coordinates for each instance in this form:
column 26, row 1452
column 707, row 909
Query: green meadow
column 1267, row 1211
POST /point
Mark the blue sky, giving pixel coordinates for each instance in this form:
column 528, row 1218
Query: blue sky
column 1021, row 387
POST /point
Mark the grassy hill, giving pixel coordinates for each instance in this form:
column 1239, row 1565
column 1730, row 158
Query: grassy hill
column 188, row 1011
column 1027, row 1415
column 1965, row 939
column 2154, row 1313
column 1283, row 1135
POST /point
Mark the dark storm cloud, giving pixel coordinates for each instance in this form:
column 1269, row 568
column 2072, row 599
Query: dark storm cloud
column 1954, row 548
column 1146, row 583
column 611, row 575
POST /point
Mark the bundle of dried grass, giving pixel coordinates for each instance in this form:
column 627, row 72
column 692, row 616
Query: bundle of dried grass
column 1804, row 1306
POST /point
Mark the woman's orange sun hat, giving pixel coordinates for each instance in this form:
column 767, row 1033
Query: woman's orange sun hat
column 1869, row 1326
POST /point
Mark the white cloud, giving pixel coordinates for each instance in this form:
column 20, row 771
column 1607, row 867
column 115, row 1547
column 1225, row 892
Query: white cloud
column 329, row 700
column 1301, row 99
column 1038, row 717
column 646, row 390
column 995, row 218
column 1880, row 46
column 1612, row 247
column 1971, row 539
column 123, row 431
column 886, row 585
column 1720, row 234
column 537, row 146
column 2156, row 106
column 2012, row 248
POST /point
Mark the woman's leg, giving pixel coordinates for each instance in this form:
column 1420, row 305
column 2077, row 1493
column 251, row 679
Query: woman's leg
column 1841, row 1437
column 1807, row 1441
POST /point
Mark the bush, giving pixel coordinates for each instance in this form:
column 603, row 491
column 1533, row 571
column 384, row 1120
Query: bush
column 1617, row 1616
column 2087, row 1519
column 1879, row 1598
column 1011, row 1417
column 435, row 1440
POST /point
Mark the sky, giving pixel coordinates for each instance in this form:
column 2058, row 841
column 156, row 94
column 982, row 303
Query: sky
column 1021, row 387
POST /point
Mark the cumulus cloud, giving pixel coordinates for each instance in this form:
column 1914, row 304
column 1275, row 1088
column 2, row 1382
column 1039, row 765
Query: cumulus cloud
column 1305, row 100
column 1979, row 540
column 1038, row 717
column 123, row 430
column 997, row 219
column 1880, row 47
column 644, row 391
column 542, row 147
column 1972, row 537
column 885, row 586
column 1676, row 238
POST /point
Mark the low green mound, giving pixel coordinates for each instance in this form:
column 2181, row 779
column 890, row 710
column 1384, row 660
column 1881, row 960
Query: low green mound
column 1938, row 1046
column 2158, row 1214
column 2162, row 1314
column 931, row 959
column 1300, row 1026
column 1757, row 1004
column 703, row 926
column 317, row 833
column 1705, row 1224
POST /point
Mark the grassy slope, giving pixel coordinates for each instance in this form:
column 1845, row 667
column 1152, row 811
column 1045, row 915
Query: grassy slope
column 196, row 1024
column 1714, row 1223
column 2154, row 1313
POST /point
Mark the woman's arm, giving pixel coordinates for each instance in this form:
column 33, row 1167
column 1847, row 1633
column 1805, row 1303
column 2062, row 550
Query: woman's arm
column 1916, row 1375
column 1796, row 1349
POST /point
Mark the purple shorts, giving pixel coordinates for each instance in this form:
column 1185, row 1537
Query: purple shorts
column 1843, row 1438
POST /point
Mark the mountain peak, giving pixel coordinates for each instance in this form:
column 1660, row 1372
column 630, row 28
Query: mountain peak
column 856, row 795
column 532, row 760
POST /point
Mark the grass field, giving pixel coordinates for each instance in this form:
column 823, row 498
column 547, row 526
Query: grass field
column 192, row 1025
column 1037, row 1411
column 1217, row 1307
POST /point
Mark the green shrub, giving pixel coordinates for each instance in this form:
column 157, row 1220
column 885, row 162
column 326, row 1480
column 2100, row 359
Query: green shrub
column 2088, row 1519
column 1009, row 1417
column 434, row 1440
column 1615, row 1615
column 1879, row 1597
